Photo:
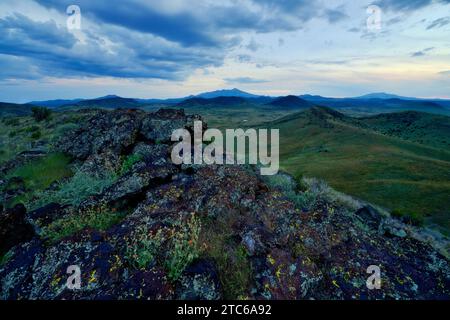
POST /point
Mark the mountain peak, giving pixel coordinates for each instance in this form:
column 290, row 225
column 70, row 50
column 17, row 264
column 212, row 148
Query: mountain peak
column 290, row 102
column 383, row 96
column 235, row 92
column 109, row 96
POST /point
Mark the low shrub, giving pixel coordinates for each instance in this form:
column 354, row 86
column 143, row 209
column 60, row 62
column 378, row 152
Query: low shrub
column 36, row 135
column 31, row 129
column 40, row 113
column 98, row 218
column 231, row 258
column 409, row 217
column 297, row 192
column 142, row 247
column 184, row 248
column 74, row 191
column 11, row 121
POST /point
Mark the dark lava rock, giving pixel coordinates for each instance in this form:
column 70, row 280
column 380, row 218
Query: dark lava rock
column 200, row 281
column 44, row 216
column 370, row 216
column 13, row 228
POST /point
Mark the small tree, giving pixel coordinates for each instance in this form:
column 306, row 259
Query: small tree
column 40, row 113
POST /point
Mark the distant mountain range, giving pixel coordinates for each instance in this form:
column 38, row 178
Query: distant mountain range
column 227, row 93
column 362, row 105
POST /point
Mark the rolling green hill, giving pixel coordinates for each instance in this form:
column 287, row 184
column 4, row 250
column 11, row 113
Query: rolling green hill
column 429, row 129
column 14, row 109
column 368, row 159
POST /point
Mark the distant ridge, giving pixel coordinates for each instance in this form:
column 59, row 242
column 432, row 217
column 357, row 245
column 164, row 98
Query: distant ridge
column 290, row 102
column 107, row 102
column 55, row 103
column 227, row 93
column 383, row 96
column 222, row 101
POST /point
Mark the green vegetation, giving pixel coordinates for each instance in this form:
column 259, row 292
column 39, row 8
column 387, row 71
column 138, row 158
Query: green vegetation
column 36, row 135
column 142, row 247
column 294, row 190
column 184, row 248
column 40, row 113
column 74, row 191
column 231, row 258
column 412, row 218
column 39, row 174
column 98, row 218
column 5, row 258
column 18, row 134
column 129, row 161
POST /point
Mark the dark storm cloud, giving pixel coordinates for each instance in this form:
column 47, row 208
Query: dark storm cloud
column 145, row 39
column 201, row 25
column 149, row 39
column 56, row 52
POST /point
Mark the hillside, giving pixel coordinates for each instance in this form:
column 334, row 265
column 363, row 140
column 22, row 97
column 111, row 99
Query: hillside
column 405, row 176
column 14, row 109
column 424, row 128
column 108, row 102
column 366, row 107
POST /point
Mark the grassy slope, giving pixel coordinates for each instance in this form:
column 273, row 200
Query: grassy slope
column 387, row 171
column 429, row 129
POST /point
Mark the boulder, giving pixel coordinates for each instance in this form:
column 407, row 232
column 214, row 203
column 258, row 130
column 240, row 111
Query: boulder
column 13, row 228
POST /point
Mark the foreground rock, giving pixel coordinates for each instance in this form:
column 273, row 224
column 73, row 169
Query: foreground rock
column 207, row 232
column 13, row 228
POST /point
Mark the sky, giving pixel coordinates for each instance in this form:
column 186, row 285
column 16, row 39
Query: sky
column 174, row 48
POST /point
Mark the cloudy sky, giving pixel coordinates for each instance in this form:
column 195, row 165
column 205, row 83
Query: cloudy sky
column 172, row 48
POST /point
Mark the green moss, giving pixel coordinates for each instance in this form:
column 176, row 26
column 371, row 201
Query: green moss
column 5, row 258
column 98, row 218
column 128, row 163
column 74, row 191
column 39, row 174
